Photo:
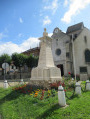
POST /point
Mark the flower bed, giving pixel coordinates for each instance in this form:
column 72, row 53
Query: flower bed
column 35, row 91
column 42, row 93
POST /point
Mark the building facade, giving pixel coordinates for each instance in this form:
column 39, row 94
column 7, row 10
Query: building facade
column 60, row 49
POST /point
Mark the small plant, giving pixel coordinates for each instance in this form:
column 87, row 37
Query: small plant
column 55, row 85
column 77, row 77
column 53, row 92
column 42, row 95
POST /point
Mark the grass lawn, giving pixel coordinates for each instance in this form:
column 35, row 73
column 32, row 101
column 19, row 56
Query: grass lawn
column 15, row 105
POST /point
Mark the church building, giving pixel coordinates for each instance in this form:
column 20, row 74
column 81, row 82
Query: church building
column 71, row 50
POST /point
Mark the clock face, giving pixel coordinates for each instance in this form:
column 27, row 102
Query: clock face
column 56, row 30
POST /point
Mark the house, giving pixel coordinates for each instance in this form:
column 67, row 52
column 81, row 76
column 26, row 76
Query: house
column 34, row 51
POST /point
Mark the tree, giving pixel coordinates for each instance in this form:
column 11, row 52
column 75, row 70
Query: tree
column 32, row 61
column 5, row 58
column 19, row 59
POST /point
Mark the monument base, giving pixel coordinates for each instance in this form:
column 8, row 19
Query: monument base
column 43, row 83
column 48, row 74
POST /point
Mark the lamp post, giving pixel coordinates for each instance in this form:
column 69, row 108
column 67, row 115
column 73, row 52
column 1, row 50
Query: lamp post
column 21, row 80
column 20, row 71
column 5, row 66
column 4, row 70
column 74, row 63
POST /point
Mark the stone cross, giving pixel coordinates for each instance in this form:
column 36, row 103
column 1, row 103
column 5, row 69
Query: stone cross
column 45, row 33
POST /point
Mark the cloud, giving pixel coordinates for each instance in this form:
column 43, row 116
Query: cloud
column 29, row 43
column 74, row 8
column 2, row 35
column 20, row 20
column 66, row 3
column 50, row 34
column 10, row 47
column 46, row 21
column 52, row 6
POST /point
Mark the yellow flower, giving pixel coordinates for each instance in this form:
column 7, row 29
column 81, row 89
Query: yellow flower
column 31, row 94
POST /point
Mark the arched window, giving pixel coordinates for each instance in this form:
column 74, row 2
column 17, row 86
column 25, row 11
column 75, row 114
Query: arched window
column 87, row 55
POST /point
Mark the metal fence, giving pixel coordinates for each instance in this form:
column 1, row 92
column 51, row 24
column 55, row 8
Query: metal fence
column 15, row 76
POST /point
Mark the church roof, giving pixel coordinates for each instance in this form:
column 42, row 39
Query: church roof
column 75, row 27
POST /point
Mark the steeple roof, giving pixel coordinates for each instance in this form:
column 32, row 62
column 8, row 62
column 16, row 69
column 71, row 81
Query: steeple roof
column 75, row 27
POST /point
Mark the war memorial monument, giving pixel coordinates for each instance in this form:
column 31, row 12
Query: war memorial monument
column 46, row 71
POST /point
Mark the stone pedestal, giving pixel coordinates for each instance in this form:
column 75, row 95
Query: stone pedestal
column 21, row 82
column 83, row 77
column 5, row 84
column 46, row 70
column 61, row 96
column 77, row 88
column 88, row 85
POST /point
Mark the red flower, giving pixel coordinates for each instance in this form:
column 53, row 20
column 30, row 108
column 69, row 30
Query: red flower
column 63, row 84
column 69, row 73
column 65, row 90
column 59, row 83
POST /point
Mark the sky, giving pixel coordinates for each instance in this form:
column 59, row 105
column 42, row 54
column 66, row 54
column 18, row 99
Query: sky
column 22, row 22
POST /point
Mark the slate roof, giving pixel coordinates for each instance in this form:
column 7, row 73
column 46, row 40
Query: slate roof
column 75, row 27
column 33, row 49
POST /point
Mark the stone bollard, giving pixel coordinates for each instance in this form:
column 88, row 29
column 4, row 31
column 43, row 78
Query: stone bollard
column 77, row 88
column 61, row 96
column 87, row 85
column 21, row 82
column 5, row 84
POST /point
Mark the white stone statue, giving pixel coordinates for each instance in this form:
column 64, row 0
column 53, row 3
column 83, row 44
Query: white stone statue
column 46, row 70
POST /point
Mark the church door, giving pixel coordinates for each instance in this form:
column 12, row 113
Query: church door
column 61, row 67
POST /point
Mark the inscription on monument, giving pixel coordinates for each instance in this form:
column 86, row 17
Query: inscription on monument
column 55, row 72
column 46, row 73
column 40, row 72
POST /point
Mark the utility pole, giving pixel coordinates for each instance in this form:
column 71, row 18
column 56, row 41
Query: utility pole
column 74, row 64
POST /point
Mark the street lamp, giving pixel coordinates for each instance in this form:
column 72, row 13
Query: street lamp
column 21, row 80
column 5, row 66
column 74, row 63
column 20, row 71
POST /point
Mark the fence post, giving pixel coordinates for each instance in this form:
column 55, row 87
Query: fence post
column 87, row 85
column 21, row 81
column 5, row 84
column 61, row 96
column 77, row 88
